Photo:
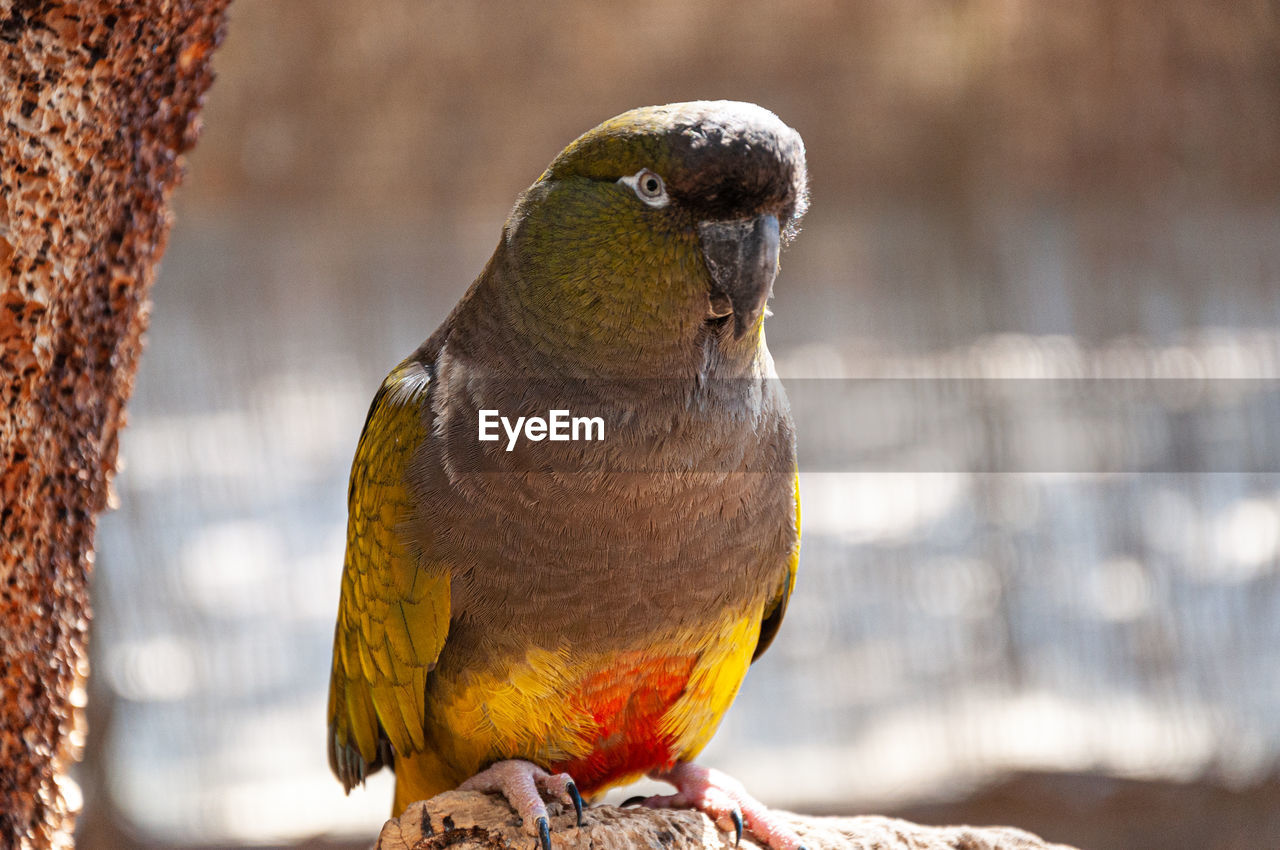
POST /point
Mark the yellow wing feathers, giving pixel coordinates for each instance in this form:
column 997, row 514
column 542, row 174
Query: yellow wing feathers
column 394, row 612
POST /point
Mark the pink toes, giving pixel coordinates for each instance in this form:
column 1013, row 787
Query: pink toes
column 522, row 783
column 723, row 799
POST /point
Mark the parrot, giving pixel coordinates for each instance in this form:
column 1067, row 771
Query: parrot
column 547, row 618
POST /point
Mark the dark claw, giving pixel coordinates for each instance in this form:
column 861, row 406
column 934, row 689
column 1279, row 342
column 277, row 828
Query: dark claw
column 737, row 826
column 632, row 801
column 544, row 833
column 577, row 799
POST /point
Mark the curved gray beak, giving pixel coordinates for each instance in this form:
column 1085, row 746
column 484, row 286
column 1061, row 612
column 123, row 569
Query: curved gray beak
column 742, row 257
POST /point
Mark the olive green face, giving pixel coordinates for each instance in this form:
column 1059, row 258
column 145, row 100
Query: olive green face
column 649, row 231
column 611, row 275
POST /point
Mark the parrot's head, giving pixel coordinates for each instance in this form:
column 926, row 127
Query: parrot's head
column 654, row 237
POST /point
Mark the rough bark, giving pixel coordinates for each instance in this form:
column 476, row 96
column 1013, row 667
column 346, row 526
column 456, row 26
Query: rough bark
column 468, row 820
column 97, row 102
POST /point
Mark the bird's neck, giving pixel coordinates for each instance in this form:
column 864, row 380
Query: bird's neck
column 506, row 322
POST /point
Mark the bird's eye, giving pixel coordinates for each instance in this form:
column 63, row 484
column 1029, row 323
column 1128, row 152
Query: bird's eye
column 648, row 187
column 648, row 184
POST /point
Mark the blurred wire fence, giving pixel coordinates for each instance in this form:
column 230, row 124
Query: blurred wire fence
column 1031, row 333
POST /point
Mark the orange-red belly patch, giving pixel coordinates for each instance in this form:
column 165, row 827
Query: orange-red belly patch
column 628, row 702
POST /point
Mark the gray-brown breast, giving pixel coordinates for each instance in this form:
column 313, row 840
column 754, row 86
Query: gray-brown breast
column 685, row 510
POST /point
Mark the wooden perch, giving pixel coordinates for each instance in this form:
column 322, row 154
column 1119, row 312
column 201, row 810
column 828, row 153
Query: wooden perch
column 468, row 820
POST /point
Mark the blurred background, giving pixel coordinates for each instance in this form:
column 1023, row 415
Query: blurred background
column 1031, row 331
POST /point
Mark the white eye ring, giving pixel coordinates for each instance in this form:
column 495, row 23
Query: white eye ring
column 648, row 187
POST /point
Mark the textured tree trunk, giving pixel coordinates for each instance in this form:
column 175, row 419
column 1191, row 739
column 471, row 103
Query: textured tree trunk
column 468, row 820
column 97, row 102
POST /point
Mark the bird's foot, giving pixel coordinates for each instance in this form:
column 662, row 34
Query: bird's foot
column 725, row 801
column 523, row 783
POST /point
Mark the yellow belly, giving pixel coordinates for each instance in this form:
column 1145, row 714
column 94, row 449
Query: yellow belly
column 604, row 718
